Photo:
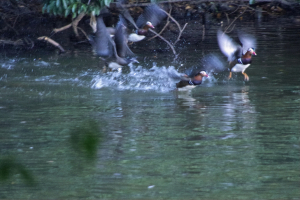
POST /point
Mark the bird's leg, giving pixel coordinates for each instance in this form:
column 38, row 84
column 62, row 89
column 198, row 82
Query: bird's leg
column 246, row 77
column 230, row 75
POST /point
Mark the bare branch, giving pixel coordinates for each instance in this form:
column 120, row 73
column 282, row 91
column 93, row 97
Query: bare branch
column 56, row 30
column 160, row 31
column 74, row 24
column 235, row 20
column 76, row 21
column 16, row 43
column 203, row 32
column 161, row 37
column 179, row 35
column 174, row 20
column 166, row 25
column 45, row 38
column 84, row 33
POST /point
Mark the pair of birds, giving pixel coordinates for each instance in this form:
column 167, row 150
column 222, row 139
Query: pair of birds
column 115, row 50
column 239, row 57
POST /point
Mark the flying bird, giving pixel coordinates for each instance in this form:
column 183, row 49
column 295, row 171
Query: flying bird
column 209, row 64
column 116, row 52
column 151, row 17
column 191, row 80
column 239, row 56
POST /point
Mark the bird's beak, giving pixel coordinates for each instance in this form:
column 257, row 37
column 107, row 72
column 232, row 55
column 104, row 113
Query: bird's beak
column 152, row 26
column 254, row 53
column 206, row 75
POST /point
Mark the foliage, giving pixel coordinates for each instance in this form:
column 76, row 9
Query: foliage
column 85, row 138
column 10, row 167
column 74, row 7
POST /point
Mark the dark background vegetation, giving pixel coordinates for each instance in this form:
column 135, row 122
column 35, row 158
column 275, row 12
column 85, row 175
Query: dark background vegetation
column 23, row 21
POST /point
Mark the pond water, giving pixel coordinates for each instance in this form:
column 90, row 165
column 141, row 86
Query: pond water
column 220, row 140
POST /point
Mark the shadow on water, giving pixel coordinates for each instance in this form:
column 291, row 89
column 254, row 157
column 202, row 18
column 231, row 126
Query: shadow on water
column 10, row 167
column 86, row 138
column 78, row 132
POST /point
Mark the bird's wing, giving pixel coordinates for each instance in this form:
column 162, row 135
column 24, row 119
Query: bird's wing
column 248, row 41
column 228, row 47
column 102, row 44
column 125, row 13
column 152, row 13
column 121, row 39
column 213, row 63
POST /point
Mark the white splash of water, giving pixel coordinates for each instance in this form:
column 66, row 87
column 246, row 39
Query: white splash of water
column 162, row 79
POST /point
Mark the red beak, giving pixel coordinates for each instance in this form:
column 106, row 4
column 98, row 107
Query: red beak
column 254, row 53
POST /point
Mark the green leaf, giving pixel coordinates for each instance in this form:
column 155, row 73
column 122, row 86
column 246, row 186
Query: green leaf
column 97, row 10
column 44, row 8
column 84, row 8
column 107, row 2
column 50, row 6
column 65, row 4
column 74, row 15
column 67, row 12
column 74, row 8
column 60, row 10
column 54, row 10
column 101, row 3
column 57, row 3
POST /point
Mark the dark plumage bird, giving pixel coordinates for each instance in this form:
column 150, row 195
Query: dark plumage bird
column 115, row 51
column 239, row 56
column 193, row 80
column 121, row 39
column 150, row 18
column 210, row 63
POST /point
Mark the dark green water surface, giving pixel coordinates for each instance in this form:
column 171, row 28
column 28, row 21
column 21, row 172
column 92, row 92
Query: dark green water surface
column 220, row 140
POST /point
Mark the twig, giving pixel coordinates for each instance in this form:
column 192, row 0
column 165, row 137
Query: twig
column 15, row 21
column 76, row 21
column 56, row 30
column 179, row 35
column 45, row 38
column 166, row 25
column 74, row 24
column 160, row 31
column 231, row 29
column 83, row 33
column 234, row 10
column 17, row 42
column 228, row 20
column 9, row 25
column 203, row 32
column 234, row 20
column 161, row 37
column 179, row 27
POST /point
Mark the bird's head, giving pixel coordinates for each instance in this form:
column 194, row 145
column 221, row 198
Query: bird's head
column 149, row 24
column 252, row 51
column 203, row 73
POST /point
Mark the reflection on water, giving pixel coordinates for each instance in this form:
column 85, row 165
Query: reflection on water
column 220, row 140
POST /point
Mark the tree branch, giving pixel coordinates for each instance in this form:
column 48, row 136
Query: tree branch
column 179, row 35
column 74, row 24
column 235, row 20
column 45, row 38
column 161, row 37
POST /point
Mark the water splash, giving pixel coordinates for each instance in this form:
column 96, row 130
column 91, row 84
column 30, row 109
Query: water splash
column 161, row 79
column 9, row 64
